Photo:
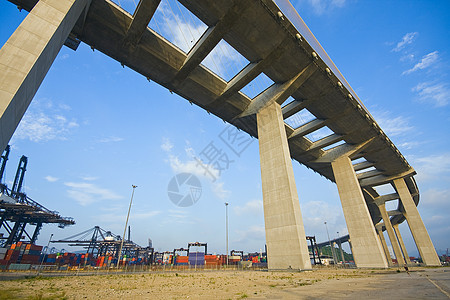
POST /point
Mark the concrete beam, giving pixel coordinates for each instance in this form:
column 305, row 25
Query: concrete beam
column 326, row 141
column 251, row 71
column 391, row 234
column 27, row 56
column 285, row 235
column 402, row 245
column 293, row 108
column 342, row 150
column 383, row 179
column 208, row 41
column 367, row 248
column 279, row 92
column 415, row 223
column 392, row 213
column 383, row 199
column 369, row 174
column 363, row 165
column 308, row 128
column 141, row 17
column 379, row 230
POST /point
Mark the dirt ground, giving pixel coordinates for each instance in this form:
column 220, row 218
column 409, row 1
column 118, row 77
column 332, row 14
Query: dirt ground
column 327, row 283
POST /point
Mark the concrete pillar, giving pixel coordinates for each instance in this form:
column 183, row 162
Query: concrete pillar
column 391, row 234
column 402, row 245
column 415, row 223
column 342, row 252
column 285, row 235
column 27, row 56
column 385, row 247
column 367, row 249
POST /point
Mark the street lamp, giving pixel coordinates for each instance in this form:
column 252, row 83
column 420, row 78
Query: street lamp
column 329, row 241
column 226, row 219
column 125, row 229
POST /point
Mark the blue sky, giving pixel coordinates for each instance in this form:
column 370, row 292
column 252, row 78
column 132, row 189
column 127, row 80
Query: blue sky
column 95, row 128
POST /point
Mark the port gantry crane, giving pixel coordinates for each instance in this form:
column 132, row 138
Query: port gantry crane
column 17, row 210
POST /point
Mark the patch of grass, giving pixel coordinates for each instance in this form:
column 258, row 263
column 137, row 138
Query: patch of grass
column 9, row 294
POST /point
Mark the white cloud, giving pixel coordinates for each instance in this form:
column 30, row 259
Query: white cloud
column 51, row 178
column 432, row 167
column 406, row 40
column 43, row 122
column 437, row 94
column 166, row 145
column 89, row 178
column 436, row 197
column 254, row 232
column 393, row 126
column 87, row 193
column 254, row 207
column 315, row 213
column 111, row 139
column 323, row 6
column 424, row 63
column 146, row 215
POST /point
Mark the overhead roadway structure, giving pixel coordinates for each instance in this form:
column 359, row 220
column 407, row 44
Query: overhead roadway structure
column 17, row 210
column 358, row 155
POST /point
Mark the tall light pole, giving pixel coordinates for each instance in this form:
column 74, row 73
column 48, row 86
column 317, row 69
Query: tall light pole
column 226, row 218
column 125, row 229
column 329, row 241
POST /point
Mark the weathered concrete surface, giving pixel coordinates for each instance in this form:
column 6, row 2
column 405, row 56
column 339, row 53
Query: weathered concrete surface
column 415, row 223
column 420, row 284
column 285, row 235
column 391, row 234
column 385, row 247
column 27, row 56
column 366, row 247
column 402, row 244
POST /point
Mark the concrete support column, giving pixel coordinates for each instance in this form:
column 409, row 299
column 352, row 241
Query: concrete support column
column 367, row 249
column 385, row 247
column 391, row 234
column 415, row 223
column 27, row 56
column 285, row 235
column 402, row 245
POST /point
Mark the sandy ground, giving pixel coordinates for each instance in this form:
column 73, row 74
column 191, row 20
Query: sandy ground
column 421, row 283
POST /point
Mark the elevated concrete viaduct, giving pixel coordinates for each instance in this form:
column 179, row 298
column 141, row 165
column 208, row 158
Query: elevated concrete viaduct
column 358, row 155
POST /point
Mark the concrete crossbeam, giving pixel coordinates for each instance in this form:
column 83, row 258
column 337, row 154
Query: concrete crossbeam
column 367, row 249
column 391, row 234
column 308, row 128
column 279, row 92
column 415, row 223
column 383, row 179
column 141, row 17
column 27, row 56
column 208, row 41
column 342, row 150
column 369, row 174
column 402, row 245
column 326, row 141
column 363, row 165
column 384, row 198
column 293, row 108
column 392, row 213
column 285, row 235
column 251, row 71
